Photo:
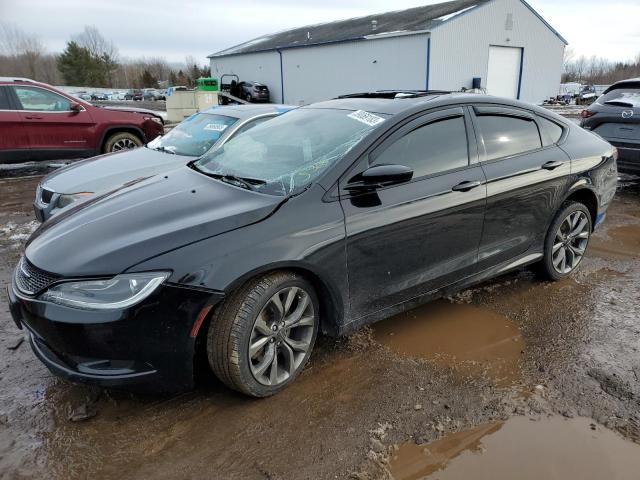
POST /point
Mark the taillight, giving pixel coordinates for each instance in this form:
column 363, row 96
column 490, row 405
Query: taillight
column 587, row 113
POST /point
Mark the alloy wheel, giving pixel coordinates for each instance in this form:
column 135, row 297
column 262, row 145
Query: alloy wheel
column 570, row 242
column 281, row 336
column 123, row 144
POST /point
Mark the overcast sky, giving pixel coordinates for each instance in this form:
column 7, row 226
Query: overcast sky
column 176, row 28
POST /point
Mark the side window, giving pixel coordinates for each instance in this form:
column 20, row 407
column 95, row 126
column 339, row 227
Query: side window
column 4, row 99
column 432, row 148
column 551, row 131
column 249, row 125
column 504, row 135
column 40, row 100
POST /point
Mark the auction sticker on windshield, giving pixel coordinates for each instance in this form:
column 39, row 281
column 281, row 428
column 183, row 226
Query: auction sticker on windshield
column 216, row 127
column 366, row 118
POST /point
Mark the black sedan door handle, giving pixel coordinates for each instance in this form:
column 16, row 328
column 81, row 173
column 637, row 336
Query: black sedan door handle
column 465, row 186
column 552, row 165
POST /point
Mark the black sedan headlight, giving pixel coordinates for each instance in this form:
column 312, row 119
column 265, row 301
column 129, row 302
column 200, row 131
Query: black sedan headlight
column 118, row 292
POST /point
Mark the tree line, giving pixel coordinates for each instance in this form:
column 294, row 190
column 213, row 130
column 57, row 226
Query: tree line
column 89, row 60
column 597, row 70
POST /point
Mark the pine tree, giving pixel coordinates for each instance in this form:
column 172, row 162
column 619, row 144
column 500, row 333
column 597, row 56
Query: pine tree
column 182, row 79
column 74, row 64
column 80, row 67
column 173, row 79
column 148, row 80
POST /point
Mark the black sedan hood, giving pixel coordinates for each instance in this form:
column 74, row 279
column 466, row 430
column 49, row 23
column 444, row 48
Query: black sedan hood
column 110, row 233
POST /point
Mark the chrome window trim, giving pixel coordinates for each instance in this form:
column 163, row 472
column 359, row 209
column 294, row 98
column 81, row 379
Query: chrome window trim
column 42, row 111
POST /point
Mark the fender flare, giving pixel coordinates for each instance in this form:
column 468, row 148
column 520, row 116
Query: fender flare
column 329, row 296
column 123, row 128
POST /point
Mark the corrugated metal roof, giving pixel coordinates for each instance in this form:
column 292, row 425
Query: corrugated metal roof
column 398, row 22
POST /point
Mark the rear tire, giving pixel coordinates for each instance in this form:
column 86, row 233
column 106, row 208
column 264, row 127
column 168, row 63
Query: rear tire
column 260, row 339
column 566, row 241
column 120, row 141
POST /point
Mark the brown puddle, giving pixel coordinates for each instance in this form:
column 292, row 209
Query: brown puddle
column 472, row 339
column 622, row 242
column 413, row 461
column 550, row 449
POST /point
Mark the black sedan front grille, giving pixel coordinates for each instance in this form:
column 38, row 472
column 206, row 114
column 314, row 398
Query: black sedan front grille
column 31, row 280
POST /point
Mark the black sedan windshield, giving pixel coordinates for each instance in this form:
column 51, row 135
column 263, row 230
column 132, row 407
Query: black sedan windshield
column 289, row 152
column 195, row 135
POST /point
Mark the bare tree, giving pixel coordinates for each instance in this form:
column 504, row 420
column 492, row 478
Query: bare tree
column 14, row 41
column 599, row 70
column 49, row 72
column 22, row 54
column 98, row 46
column 580, row 66
column 569, row 55
column 103, row 54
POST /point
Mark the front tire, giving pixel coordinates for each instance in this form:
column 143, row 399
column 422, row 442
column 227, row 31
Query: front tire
column 566, row 241
column 121, row 141
column 260, row 339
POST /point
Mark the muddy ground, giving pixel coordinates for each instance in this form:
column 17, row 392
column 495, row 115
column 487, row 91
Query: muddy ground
column 517, row 378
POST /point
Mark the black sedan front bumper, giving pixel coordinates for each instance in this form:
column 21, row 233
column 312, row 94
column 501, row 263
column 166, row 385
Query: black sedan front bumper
column 148, row 347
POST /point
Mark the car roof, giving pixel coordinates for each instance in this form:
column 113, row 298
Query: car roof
column 375, row 105
column 249, row 110
column 408, row 105
column 20, row 81
column 631, row 82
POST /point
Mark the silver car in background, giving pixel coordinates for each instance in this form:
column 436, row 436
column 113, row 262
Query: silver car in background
column 192, row 138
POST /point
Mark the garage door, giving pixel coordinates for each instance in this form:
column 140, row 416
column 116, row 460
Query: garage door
column 503, row 75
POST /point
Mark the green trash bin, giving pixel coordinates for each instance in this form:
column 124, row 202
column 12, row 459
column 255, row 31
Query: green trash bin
column 207, row 84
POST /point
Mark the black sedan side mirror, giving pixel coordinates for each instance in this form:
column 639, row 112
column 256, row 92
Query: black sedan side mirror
column 379, row 176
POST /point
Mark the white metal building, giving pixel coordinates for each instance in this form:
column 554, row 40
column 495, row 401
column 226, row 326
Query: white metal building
column 505, row 44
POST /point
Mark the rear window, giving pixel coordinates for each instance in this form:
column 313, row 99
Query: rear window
column 551, row 131
column 623, row 97
column 505, row 136
column 4, row 99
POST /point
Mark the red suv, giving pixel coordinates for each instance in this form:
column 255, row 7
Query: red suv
column 39, row 122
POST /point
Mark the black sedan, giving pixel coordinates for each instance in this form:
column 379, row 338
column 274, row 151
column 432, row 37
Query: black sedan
column 615, row 116
column 328, row 218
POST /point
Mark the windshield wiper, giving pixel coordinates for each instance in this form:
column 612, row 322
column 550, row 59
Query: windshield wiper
column 163, row 149
column 244, row 182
